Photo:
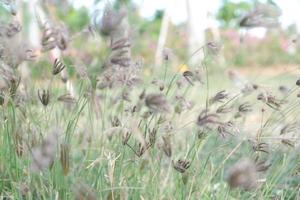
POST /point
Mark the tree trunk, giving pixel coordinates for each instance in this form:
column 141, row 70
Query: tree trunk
column 197, row 24
column 162, row 36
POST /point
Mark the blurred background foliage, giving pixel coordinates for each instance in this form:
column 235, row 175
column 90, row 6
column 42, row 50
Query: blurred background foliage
column 238, row 49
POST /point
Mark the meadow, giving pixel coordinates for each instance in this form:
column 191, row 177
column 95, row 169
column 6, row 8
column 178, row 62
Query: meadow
column 100, row 124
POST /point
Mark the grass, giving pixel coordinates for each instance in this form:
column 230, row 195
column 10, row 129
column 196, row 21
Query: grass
column 98, row 158
column 161, row 137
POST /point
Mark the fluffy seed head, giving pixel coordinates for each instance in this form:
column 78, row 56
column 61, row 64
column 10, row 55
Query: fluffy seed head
column 243, row 174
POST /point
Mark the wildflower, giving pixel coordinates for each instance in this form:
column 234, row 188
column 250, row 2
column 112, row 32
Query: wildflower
column 44, row 97
column 183, row 68
column 181, row 165
column 243, row 174
column 157, row 103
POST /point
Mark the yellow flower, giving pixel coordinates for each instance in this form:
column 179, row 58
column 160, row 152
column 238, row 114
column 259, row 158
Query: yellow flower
column 183, row 68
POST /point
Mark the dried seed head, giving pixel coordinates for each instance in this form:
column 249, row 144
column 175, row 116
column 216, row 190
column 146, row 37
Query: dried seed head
column 67, row 98
column 245, row 107
column 160, row 84
column 189, row 77
column 157, row 103
column 243, row 174
column 125, row 96
column 219, row 97
column 83, row 192
column 183, row 104
column 181, row 165
column 10, row 5
column 54, row 36
column 284, row 90
column 270, row 100
column 13, row 29
column 298, row 82
column 142, row 148
column 18, row 143
column 44, row 97
column 167, row 54
column 65, row 158
column 120, row 44
column 58, row 66
column 223, row 109
column 167, row 148
column 206, row 118
column 289, row 128
column 62, row 38
column 152, row 136
column 142, row 95
column 14, row 83
column 226, row 129
column 115, row 122
column 82, row 71
column 43, row 156
column 213, row 48
column 263, row 15
column 262, row 166
column 259, row 146
column 111, row 20
column 125, row 137
column 288, row 143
